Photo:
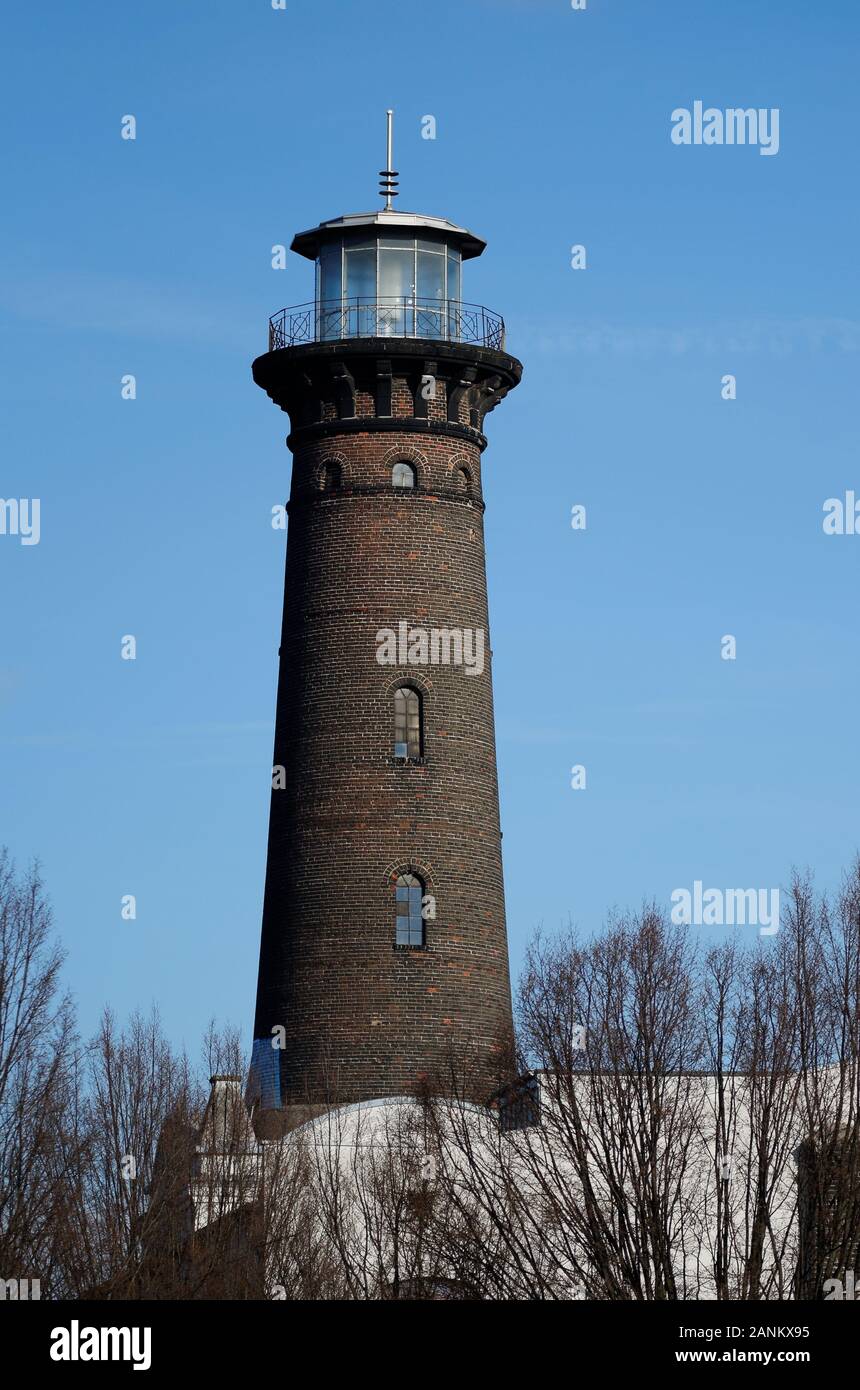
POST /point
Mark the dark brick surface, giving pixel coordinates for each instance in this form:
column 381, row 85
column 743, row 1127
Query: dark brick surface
column 363, row 1018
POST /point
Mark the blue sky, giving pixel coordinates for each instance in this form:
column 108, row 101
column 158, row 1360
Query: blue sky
column 152, row 257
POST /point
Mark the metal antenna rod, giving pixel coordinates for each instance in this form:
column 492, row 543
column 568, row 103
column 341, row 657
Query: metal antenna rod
column 388, row 176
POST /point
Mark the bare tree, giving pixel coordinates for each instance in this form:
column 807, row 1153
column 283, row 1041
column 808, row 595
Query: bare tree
column 675, row 1123
column 686, row 1122
column 39, row 1142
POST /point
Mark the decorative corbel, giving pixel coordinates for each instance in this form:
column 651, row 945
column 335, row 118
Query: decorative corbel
column 343, row 390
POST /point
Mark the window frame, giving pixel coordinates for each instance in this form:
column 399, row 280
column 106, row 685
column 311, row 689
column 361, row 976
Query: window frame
column 413, row 887
column 331, row 477
column 402, row 694
column 404, row 487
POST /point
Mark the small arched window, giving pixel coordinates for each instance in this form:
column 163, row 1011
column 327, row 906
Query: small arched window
column 403, row 474
column 463, row 480
column 408, row 894
column 331, row 477
column 407, row 723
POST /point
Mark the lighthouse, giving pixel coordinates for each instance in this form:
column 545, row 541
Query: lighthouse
column 383, row 958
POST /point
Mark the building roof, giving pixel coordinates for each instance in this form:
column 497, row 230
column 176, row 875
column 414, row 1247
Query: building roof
column 308, row 243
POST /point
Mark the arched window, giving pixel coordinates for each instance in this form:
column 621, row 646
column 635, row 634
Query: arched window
column 407, row 723
column 331, row 477
column 410, row 924
column 403, row 474
column 463, row 480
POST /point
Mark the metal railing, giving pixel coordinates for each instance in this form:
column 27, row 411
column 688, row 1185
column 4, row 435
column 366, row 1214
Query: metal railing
column 446, row 320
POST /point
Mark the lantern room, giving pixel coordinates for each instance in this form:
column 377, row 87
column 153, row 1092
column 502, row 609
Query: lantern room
column 387, row 274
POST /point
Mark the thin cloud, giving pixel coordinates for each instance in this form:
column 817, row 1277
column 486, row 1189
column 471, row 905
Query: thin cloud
column 113, row 304
column 772, row 337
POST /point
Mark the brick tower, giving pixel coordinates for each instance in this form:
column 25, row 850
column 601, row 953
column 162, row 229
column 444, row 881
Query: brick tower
column 384, row 951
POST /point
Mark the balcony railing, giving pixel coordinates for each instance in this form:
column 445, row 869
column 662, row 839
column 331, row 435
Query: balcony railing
column 447, row 320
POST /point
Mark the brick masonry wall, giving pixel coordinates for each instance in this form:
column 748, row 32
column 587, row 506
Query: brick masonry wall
column 365, row 1018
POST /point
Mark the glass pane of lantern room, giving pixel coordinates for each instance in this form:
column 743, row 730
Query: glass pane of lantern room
column 453, row 276
column 396, row 273
column 396, row 289
column 360, row 291
column 330, row 259
column 454, row 295
column 330, row 291
column 431, row 291
column 431, row 275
